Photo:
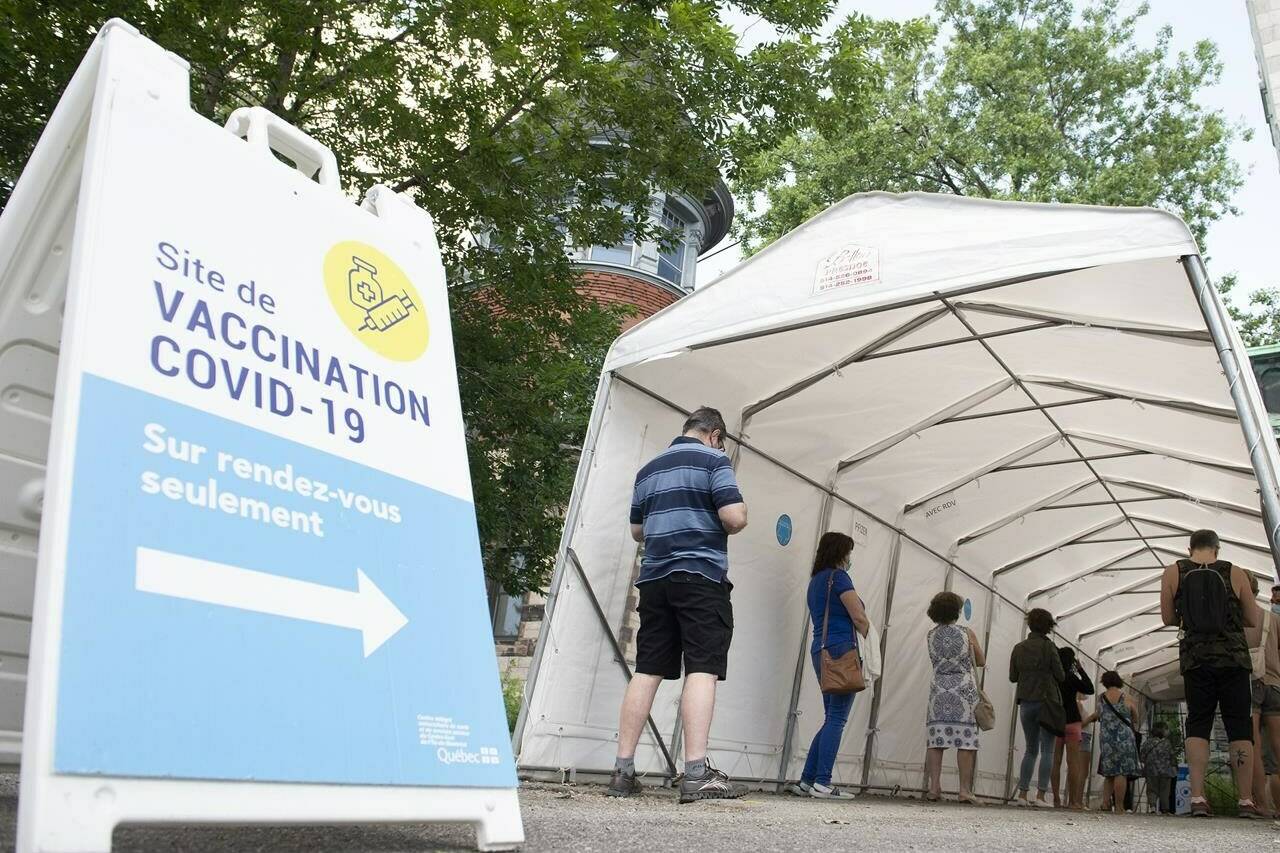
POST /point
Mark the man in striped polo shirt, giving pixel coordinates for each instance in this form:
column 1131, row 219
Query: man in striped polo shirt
column 685, row 506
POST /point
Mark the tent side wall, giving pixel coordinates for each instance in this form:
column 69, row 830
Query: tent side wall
column 570, row 719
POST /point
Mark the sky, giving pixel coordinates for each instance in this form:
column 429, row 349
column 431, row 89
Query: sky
column 1244, row 244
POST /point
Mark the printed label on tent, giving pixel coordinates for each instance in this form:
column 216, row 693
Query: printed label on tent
column 272, row 569
column 940, row 506
column 861, row 531
column 847, row 266
column 783, row 529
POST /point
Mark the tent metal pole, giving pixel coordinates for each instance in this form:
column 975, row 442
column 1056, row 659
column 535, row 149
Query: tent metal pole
column 1145, row 670
column 768, row 457
column 1022, row 386
column 1099, row 567
column 1128, row 396
column 1187, row 531
column 797, row 675
column 1108, row 595
column 987, row 621
column 1097, row 748
column 964, row 404
column 1140, row 610
column 984, row 469
column 1250, row 420
column 1070, row 540
column 861, row 353
column 1104, row 323
column 1148, row 652
column 1022, row 466
column 617, row 651
column 557, row 575
column 1164, row 493
column 1138, row 636
column 1021, row 410
column 1155, row 450
column 873, row 720
column 1015, row 722
column 1021, row 511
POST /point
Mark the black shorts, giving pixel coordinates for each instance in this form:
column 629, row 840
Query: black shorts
column 684, row 614
column 1211, row 689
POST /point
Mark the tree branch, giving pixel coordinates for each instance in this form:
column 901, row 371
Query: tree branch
column 523, row 103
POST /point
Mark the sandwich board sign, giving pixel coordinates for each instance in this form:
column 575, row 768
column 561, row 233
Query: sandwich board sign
column 259, row 595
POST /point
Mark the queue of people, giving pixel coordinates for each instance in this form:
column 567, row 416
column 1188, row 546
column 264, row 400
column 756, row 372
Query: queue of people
column 687, row 503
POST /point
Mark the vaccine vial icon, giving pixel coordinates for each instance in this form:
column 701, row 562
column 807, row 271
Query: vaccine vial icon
column 365, row 292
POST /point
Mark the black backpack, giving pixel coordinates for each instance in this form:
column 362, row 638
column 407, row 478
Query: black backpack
column 1203, row 596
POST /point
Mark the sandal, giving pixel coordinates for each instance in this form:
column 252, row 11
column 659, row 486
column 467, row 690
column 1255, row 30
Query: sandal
column 932, row 798
column 971, row 800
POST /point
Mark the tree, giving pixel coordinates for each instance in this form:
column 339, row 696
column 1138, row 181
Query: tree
column 1259, row 322
column 1015, row 99
column 527, row 122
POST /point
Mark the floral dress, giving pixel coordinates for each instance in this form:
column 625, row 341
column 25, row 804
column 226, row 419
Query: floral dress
column 953, row 695
column 1119, row 751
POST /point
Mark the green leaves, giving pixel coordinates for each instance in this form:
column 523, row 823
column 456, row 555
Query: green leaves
column 1020, row 99
column 522, row 126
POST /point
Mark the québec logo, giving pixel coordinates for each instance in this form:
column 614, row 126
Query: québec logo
column 486, row 755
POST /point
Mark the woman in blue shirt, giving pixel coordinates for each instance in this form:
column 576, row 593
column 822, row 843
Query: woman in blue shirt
column 844, row 611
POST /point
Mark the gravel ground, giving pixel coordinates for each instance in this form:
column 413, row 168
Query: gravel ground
column 581, row 818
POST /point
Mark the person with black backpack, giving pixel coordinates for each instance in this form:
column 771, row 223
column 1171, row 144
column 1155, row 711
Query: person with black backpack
column 1210, row 600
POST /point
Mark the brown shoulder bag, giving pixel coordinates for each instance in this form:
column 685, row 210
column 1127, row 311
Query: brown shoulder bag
column 842, row 675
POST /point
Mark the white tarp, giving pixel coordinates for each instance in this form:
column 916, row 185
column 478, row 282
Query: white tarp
column 1023, row 403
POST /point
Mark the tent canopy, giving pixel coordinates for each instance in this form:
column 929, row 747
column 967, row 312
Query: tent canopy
column 1030, row 405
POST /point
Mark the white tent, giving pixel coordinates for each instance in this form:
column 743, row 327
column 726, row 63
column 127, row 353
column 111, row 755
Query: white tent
column 1031, row 405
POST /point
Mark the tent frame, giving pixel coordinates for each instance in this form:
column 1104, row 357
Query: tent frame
column 1245, row 414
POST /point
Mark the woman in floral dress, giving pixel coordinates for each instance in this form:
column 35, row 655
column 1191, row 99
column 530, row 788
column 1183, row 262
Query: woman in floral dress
column 953, row 696
column 1119, row 719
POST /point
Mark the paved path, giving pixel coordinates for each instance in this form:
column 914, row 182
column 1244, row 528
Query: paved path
column 581, row 818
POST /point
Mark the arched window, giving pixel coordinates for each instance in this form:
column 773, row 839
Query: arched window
column 671, row 256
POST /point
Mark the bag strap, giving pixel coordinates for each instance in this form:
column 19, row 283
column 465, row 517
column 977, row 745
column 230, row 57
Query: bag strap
column 826, row 610
column 1113, row 710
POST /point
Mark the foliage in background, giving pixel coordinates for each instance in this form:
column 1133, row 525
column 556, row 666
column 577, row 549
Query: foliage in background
column 512, row 697
column 1015, row 99
column 516, row 124
column 1259, row 323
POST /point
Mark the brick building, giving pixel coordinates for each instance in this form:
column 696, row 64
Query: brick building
column 647, row 276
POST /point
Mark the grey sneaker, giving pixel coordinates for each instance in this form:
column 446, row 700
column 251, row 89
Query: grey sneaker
column 623, row 785
column 829, row 792
column 714, row 785
column 800, row 789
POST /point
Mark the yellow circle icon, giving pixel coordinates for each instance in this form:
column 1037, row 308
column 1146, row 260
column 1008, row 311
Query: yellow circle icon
column 376, row 300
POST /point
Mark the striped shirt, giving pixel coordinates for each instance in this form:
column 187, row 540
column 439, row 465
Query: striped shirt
column 676, row 498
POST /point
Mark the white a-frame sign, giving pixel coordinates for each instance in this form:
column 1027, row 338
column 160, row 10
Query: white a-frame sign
column 252, row 572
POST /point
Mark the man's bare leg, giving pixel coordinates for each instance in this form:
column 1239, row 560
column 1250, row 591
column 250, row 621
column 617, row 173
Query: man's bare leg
column 697, row 705
column 636, row 704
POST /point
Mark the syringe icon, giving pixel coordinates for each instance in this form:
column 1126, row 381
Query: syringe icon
column 387, row 313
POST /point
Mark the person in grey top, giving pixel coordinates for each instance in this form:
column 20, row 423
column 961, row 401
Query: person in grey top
column 1037, row 669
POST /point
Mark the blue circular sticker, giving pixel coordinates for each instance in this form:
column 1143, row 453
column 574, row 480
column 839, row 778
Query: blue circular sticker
column 784, row 529
column 968, row 610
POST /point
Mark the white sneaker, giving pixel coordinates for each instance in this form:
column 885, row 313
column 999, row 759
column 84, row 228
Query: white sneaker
column 800, row 789
column 829, row 792
column 1042, row 804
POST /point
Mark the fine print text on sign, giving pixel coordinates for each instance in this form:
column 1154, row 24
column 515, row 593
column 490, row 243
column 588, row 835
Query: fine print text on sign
column 847, row 266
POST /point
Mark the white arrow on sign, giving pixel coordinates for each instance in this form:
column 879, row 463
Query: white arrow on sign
column 366, row 609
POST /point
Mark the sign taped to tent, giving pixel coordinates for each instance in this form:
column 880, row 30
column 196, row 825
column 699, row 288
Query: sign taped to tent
column 849, row 265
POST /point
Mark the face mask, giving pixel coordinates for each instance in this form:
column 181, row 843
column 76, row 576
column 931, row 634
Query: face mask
column 1275, row 608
